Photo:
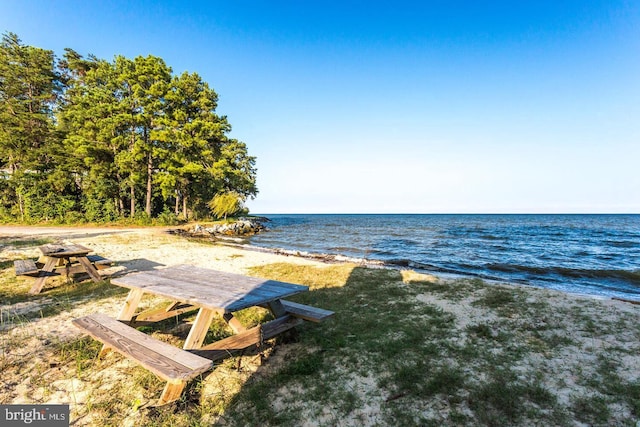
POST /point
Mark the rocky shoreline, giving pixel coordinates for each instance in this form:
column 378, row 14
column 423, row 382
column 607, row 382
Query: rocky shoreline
column 244, row 226
column 234, row 234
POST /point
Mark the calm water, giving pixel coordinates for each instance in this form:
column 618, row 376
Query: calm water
column 589, row 254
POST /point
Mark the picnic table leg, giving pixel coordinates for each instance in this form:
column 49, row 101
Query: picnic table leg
column 171, row 392
column 89, row 268
column 234, row 323
column 199, row 329
column 278, row 311
column 42, row 276
column 67, row 268
column 130, row 305
column 277, row 308
column 127, row 312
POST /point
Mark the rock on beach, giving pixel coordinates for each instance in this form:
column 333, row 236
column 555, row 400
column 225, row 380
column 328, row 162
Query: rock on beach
column 241, row 227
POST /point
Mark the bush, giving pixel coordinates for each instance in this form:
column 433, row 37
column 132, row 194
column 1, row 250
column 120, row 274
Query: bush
column 226, row 204
column 167, row 218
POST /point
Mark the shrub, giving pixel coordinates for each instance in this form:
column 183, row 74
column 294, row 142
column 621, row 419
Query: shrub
column 226, row 204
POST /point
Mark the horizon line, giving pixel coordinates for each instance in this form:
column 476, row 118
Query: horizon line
column 445, row 213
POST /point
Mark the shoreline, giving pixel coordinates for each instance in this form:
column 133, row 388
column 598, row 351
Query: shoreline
column 371, row 263
column 593, row 256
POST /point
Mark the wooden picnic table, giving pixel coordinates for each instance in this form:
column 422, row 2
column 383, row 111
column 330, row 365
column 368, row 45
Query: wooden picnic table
column 65, row 254
column 210, row 292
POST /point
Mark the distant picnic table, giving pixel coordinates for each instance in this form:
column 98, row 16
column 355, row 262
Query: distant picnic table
column 72, row 257
column 210, row 292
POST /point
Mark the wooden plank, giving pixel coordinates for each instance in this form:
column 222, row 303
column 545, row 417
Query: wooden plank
column 25, row 267
column 174, row 306
column 230, row 346
column 219, row 280
column 159, row 314
column 259, row 296
column 152, row 344
column 63, row 251
column 166, row 361
column 173, row 288
column 278, row 326
column 73, row 269
column 51, row 248
column 306, row 312
column 223, row 280
column 99, row 260
column 209, row 288
column 236, row 343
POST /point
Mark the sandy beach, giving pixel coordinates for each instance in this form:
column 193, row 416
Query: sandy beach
column 34, row 372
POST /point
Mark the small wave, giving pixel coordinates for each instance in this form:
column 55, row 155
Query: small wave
column 324, row 257
column 407, row 263
column 380, row 252
column 399, row 262
column 621, row 243
column 343, row 249
column 490, row 237
column 398, row 242
column 626, row 275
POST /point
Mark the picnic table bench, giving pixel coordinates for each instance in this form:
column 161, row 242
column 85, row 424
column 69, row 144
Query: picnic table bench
column 25, row 267
column 211, row 293
column 170, row 363
column 73, row 258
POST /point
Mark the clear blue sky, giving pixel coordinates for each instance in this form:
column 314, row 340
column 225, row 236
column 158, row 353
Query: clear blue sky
column 428, row 107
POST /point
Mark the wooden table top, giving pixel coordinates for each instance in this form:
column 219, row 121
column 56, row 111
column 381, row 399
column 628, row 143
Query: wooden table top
column 62, row 251
column 217, row 290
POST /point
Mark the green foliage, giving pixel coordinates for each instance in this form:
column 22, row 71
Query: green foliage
column 99, row 209
column 167, row 218
column 28, row 88
column 226, row 204
column 106, row 139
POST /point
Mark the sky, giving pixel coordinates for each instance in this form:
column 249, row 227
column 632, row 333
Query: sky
column 396, row 107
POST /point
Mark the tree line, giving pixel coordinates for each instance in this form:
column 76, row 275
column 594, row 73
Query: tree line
column 86, row 139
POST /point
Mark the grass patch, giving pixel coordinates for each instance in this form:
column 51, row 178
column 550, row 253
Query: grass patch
column 23, row 243
column 591, row 409
column 381, row 329
column 414, row 351
column 52, row 301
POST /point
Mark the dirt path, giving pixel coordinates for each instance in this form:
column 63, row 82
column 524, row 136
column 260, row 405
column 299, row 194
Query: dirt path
column 7, row 231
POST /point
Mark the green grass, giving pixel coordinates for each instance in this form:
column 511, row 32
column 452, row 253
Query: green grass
column 414, row 352
column 26, row 242
column 58, row 296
